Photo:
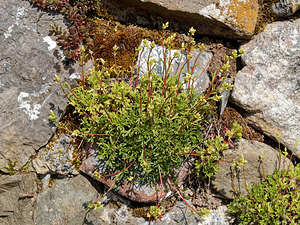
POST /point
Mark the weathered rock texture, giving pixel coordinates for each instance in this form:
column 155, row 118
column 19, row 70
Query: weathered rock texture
column 268, row 87
column 228, row 177
column 285, row 8
column 17, row 195
column 180, row 214
column 234, row 18
column 29, row 59
column 56, row 157
column 65, row 202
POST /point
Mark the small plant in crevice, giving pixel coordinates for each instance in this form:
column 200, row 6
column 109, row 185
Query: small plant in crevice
column 77, row 13
column 275, row 200
column 207, row 163
column 154, row 213
column 10, row 167
column 148, row 127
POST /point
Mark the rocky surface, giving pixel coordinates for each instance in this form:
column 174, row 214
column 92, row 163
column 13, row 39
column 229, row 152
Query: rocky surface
column 180, row 214
column 65, row 202
column 29, row 59
column 56, row 157
column 234, row 19
column 285, row 8
column 228, row 177
column 268, row 87
column 17, row 196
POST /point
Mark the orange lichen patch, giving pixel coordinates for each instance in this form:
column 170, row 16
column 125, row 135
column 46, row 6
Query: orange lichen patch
column 240, row 14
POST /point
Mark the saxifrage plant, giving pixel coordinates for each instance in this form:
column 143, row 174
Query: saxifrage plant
column 275, row 200
column 147, row 127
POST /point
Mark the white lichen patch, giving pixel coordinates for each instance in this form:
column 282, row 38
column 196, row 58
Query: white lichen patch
column 74, row 76
column 50, row 42
column 213, row 11
column 210, row 11
column 20, row 12
column 9, row 31
column 33, row 110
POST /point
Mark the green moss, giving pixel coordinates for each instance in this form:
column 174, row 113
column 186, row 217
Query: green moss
column 10, row 167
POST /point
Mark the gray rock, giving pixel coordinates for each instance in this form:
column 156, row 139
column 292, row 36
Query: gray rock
column 268, row 87
column 284, row 8
column 45, row 180
column 225, row 94
column 201, row 81
column 17, row 195
column 56, row 157
column 180, row 214
column 64, row 202
column 234, row 19
column 29, row 59
column 254, row 169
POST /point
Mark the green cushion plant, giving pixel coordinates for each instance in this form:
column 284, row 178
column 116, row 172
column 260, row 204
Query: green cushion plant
column 147, row 127
column 276, row 200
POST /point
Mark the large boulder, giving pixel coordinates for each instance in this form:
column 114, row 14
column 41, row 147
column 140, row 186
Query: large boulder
column 233, row 19
column 65, row 202
column 256, row 167
column 17, row 195
column 29, row 59
column 268, row 87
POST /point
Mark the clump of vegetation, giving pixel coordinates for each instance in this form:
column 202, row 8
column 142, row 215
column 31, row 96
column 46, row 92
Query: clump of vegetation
column 77, row 12
column 276, row 200
column 147, row 127
column 154, row 213
column 9, row 168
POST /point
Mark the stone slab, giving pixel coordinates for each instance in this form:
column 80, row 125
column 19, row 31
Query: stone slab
column 268, row 87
